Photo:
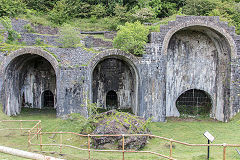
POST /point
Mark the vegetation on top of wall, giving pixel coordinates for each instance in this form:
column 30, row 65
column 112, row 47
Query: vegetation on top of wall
column 58, row 12
column 131, row 38
column 88, row 15
column 69, row 36
column 12, row 34
column 7, row 48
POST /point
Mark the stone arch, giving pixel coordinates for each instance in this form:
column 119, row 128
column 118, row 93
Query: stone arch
column 27, row 72
column 131, row 59
column 210, row 25
column 217, row 63
column 121, row 57
column 194, row 102
column 29, row 50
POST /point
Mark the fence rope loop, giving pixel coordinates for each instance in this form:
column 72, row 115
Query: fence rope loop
column 224, row 145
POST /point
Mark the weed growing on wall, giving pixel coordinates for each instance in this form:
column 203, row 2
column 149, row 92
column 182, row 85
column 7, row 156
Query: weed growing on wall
column 12, row 34
column 131, row 38
column 69, row 37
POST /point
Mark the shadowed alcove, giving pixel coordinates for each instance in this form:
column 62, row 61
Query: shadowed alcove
column 114, row 84
column 194, row 102
column 27, row 76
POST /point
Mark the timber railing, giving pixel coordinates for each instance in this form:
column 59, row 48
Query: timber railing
column 35, row 138
column 171, row 141
column 20, row 125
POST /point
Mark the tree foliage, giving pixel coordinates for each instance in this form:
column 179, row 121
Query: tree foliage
column 131, row 38
column 61, row 11
column 11, row 8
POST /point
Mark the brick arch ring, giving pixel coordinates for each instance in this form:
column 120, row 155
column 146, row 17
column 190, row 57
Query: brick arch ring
column 210, row 25
column 29, row 50
column 114, row 53
column 131, row 61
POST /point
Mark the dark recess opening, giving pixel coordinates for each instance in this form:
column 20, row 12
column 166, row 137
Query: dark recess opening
column 194, row 102
column 48, row 99
column 111, row 100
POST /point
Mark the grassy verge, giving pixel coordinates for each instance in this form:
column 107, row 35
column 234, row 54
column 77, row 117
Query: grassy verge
column 186, row 130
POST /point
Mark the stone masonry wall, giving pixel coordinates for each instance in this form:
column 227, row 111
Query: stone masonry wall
column 162, row 74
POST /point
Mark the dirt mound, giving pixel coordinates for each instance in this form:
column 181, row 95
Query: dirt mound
column 113, row 122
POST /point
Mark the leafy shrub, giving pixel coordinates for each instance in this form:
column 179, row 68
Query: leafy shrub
column 78, row 9
column 199, row 7
column 69, row 37
column 98, row 11
column 66, row 9
column 40, row 5
column 93, row 19
column 144, row 15
column 229, row 12
column 121, row 13
column 12, row 34
column 59, row 13
column 131, row 38
column 11, row 7
column 28, row 28
column 39, row 42
column 112, row 23
column 156, row 6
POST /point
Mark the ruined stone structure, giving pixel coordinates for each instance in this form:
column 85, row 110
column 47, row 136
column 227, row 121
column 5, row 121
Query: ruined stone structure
column 190, row 55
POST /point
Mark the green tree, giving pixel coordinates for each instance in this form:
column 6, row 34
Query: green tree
column 40, row 5
column 132, row 38
column 59, row 14
column 143, row 15
column 12, row 8
column 98, row 10
column 228, row 11
column 199, row 7
column 156, row 5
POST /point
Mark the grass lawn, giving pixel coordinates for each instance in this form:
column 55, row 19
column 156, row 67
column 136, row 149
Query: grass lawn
column 185, row 130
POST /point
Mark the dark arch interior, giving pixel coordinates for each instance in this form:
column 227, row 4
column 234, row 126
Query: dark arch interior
column 27, row 76
column 111, row 100
column 113, row 84
column 48, row 99
column 194, row 102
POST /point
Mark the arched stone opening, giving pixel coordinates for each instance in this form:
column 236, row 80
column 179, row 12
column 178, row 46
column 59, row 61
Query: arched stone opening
column 199, row 57
column 194, row 102
column 111, row 100
column 26, row 77
column 114, row 81
column 47, row 99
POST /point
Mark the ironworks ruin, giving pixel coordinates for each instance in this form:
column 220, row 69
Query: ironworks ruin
column 191, row 66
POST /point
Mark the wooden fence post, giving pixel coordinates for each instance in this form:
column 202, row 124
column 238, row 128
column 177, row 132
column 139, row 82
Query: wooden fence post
column 21, row 125
column 224, row 151
column 29, row 143
column 37, row 129
column 89, row 152
column 123, row 144
column 61, row 141
column 170, row 155
column 40, row 136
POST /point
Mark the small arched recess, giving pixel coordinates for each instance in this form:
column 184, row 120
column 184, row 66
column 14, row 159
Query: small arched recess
column 48, row 99
column 194, row 102
column 116, row 77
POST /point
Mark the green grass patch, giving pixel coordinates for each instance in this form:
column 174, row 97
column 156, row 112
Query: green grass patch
column 182, row 129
